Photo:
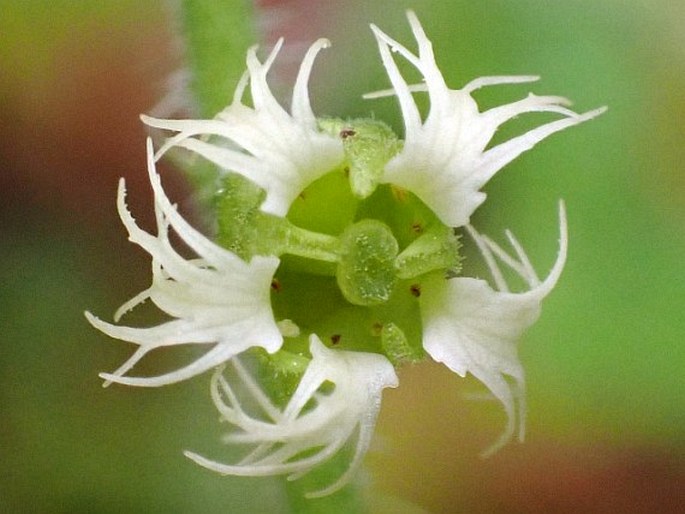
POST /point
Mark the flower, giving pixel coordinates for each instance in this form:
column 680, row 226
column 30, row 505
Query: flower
column 281, row 153
column 314, row 425
column 444, row 161
column 471, row 327
column 338, row 261
column 216, row 299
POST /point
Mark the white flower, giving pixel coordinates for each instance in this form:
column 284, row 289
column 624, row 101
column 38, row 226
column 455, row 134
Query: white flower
column 282, row 153
column 216, row 299
column 315, row 424
column 444, row 161
column 473, row 328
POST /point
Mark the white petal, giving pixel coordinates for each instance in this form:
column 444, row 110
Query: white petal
column 301, row 107
column 496, row 158
column 498, row 79
column 444, row 161
column 217, row 299
column 410, row 111
column 473, row 328
column 313, row 421
column 280, row 152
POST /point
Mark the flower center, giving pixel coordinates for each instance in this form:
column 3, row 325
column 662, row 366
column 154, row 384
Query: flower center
column 353, row 252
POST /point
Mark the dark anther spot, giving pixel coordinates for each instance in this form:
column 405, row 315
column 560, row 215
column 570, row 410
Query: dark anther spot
column 415, row 290
column 346, row 171
column 399, row 193
column 347, row 132
column 276, row 285
column 417, row 227
column 335, row 338
column 377, row 328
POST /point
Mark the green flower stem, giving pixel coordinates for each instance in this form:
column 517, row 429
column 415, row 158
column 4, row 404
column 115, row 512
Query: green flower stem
column 217, row 35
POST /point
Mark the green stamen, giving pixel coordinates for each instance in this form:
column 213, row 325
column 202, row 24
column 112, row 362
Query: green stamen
column 368, row 146
column 436, row 249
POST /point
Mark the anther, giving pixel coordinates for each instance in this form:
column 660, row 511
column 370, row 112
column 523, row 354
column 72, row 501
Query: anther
column 347, row 132
column 399, row 193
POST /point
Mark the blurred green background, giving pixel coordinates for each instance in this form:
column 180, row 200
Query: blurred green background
column 605, row 363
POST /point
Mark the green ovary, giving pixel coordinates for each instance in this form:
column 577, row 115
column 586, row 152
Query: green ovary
column 366, row 270
column 358, row 303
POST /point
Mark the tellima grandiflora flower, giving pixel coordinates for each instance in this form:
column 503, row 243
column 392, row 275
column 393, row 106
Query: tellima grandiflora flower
column 336, row 260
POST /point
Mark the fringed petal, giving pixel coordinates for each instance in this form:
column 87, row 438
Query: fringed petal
column 473, row 328
column 314, row 425
column 444, row 161
column 280, row 152
column 217, row 299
